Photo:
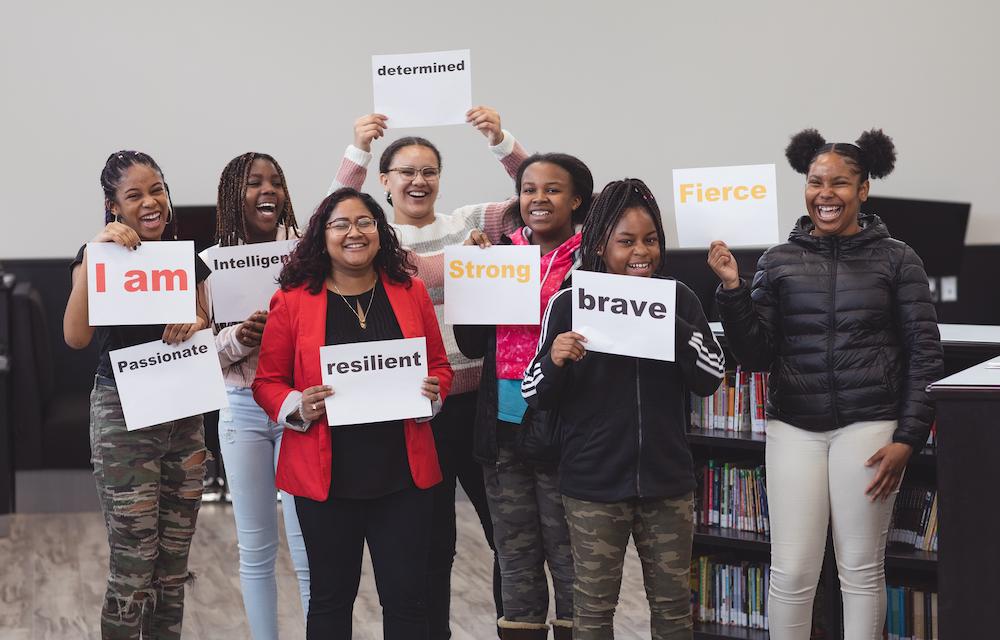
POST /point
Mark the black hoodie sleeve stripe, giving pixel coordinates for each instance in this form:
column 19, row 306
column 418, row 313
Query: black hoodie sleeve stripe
column 698, row 353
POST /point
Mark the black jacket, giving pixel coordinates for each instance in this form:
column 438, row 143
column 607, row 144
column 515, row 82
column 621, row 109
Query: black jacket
column 480, row 341
column 623, row 419
column 846, row 327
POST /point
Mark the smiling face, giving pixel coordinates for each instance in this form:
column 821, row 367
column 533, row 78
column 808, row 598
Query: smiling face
column 264, row 200
column 834, row 193
column 547, row 200
column 141, row 201
column 633, row 249
column 352, row 250
column 412, row 198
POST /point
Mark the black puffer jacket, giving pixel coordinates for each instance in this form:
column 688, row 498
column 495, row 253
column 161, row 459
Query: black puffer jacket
column 846, row 327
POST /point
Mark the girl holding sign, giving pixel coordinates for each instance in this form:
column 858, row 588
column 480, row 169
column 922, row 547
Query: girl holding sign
column 149, row 481
column 410, row 172
column 254, row 207
column 554, row 194
column 841, row 316
column 625, row 467
column 349, row 281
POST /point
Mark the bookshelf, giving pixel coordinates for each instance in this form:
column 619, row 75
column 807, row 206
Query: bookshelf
column 963, row 345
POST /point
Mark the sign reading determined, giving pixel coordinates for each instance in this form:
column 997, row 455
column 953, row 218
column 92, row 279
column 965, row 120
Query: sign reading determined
column 375, row 381
column 423, row 89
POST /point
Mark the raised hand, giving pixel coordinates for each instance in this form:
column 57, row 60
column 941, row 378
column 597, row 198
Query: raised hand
column 368, row 128
column 722, row 262
column 487, row 121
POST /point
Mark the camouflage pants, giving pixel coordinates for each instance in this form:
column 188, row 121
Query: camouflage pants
column 150, row 483
column 529, row 530
column 663, row 530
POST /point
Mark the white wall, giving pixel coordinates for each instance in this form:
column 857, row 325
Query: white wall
column 633, row 88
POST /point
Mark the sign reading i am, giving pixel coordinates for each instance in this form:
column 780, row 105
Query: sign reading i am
column 151, row 284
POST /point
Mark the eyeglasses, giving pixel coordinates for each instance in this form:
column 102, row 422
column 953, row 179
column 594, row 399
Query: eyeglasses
column 341, row 226
column 409, row 173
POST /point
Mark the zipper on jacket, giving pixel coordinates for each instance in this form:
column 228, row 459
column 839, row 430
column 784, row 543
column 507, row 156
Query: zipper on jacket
column 831, row 333
column 638, row 407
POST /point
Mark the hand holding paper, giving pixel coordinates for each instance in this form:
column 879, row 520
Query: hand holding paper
column 368, row 128
column 567, row 346
column 487, row 121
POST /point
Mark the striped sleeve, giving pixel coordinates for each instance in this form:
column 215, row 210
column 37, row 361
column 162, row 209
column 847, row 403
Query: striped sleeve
column 698, row 353
column 352, row 171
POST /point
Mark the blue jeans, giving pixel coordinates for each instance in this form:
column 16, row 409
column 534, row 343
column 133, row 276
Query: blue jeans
column 250, row 442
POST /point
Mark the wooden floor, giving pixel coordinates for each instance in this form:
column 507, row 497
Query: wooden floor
column 53, row 568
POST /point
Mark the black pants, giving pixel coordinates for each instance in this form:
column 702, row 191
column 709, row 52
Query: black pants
column 453, row 429
column 397, row 528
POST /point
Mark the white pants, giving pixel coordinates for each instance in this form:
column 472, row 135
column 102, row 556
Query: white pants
column 811, row 477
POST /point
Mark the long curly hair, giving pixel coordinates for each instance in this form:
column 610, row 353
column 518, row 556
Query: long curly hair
column 309, row 262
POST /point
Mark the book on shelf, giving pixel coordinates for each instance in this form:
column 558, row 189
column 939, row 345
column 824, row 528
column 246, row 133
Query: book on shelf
column 730, row 592
column 738, row 405
column 732, row 496
column 914, row 519
column 911, row 614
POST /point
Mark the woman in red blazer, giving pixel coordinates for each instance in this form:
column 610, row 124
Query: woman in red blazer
column 347, row 281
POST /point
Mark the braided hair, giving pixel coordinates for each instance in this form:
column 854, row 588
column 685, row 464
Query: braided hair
column 605, row 212
column 309, row 263
column 115, row 168
column 230, row 223
column 871, row 155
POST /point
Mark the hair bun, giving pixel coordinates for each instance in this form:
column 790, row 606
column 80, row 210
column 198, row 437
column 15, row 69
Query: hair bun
column 878, row 151
column 802, row 148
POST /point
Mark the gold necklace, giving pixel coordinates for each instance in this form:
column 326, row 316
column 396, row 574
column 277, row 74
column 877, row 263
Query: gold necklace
column 362, row 316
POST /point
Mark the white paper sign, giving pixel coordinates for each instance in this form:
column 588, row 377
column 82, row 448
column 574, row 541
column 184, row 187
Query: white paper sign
column 160, row 382
column 153, row 284
column 423, row 89
column 626, row 315
column 244, row 277
column 375, row 381
column 735, row 204
column 498, row 285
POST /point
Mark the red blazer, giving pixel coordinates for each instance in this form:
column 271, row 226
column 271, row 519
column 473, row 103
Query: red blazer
column 289, row 359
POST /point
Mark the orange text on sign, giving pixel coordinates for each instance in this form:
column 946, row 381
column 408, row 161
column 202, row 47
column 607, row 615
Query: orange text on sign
column 518, row 272
column 694, row 191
